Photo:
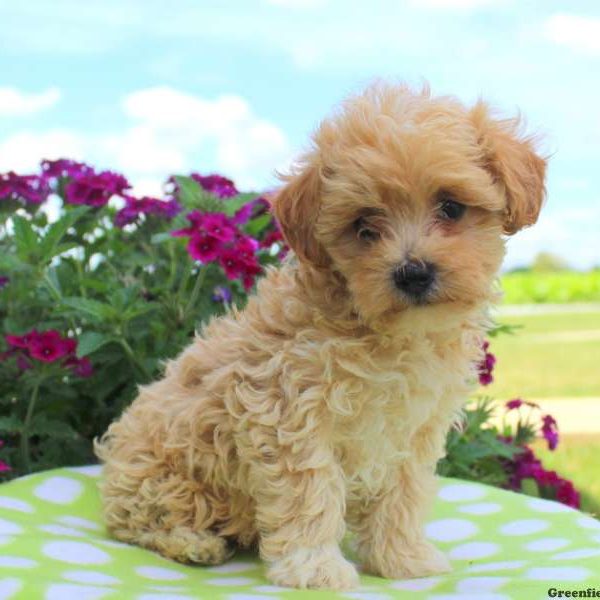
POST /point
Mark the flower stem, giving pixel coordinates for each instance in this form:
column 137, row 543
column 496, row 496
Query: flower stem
column 25, row 458
column 134, row 361
column 195, row 291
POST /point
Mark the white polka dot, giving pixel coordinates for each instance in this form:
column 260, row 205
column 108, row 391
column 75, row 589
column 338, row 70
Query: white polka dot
column 547, row 544
column 64, row 591
column 450, row 530
column 462, row 492
column 416, row 585
column 9, row 587
column 230, row 581
column 59, row 490
column 576, row 554
column 506, row 565
column 6, row 539
column 168, row 596
column 9, row 528
column 558, row 573
column 15, row 504
column 480, row 508
column 17, row 562
column 596, row 538
column 588, row 523
column 93, row 577
column 480, row 584
column 77, row 553
column 250, row 597
column 547, row 506
column 480, row 596
column 473, row 550
column 89, row 470
column 60, row 531
column 363, row 596
column 524, row 527
column 232, row 567
column 79, row 522
column 160, row 573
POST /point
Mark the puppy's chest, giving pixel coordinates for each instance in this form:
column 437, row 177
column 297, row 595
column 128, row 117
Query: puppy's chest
column 379, row 401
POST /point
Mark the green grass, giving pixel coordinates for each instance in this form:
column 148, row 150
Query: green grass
column 576, row 458
column 555, row 287
column 552, row 355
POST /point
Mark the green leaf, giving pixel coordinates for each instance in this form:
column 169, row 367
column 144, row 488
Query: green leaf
column 92, row 308
column 161, row 238
column 10, row 424
column 191, row 195
column 58, row 229
column 256, row 226
column 25, row 237
column 90, row 341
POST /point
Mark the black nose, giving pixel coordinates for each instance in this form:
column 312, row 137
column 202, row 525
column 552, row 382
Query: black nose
column 414, row 277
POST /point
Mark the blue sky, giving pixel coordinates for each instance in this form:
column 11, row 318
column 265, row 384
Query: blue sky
column 150, row 87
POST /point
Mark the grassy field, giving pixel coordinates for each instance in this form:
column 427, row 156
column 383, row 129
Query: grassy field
column 577, row 459
column 551, row 355
column 556, row 287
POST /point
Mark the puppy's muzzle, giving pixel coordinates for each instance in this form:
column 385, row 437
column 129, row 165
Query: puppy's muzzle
column 415, row 278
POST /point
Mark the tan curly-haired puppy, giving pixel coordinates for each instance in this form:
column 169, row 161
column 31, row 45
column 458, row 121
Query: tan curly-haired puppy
column 325, row 403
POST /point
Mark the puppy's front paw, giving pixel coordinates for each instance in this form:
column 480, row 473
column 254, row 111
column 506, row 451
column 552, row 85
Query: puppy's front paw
column 419, row 561
column 314, row 568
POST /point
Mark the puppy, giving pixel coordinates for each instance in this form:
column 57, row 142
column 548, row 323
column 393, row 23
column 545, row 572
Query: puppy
column 325, row 403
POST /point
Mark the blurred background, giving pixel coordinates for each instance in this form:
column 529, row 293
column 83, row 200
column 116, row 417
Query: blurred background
column 150, row 88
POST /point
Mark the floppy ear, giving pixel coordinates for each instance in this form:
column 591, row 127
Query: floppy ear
column 296, row 207
column 513, row 162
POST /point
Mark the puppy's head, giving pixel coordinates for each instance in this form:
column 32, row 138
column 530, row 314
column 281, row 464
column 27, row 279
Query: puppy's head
column 410, row 198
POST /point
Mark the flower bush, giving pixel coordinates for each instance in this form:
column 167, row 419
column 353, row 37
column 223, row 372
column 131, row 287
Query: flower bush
column 98, row 287
column 498, row 451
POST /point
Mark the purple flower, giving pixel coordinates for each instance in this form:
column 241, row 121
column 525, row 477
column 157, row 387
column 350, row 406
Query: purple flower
column 95, row 189
column 514, row 404
column 4, row 468
column 550, row 431
column 65, row 168
column 134, row 207
column 222, row 294
column 486, row 366
column 217, row 185
column 31, row 189
column 82, row 367
column 203, row 247
column 3, row 281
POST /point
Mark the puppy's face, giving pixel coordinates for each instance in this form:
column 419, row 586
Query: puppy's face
column 409, row 199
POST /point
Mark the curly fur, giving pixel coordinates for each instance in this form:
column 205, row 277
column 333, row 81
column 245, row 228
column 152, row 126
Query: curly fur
column 325, row 403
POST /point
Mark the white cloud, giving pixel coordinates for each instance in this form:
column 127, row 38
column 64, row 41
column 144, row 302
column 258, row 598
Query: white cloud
column 169, row 131
column 23, row 151
column 296, row 3
column 14, row 102
column 455, row 4
column 574, row 31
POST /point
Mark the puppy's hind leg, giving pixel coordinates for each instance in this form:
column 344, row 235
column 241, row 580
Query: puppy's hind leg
column 181, row 544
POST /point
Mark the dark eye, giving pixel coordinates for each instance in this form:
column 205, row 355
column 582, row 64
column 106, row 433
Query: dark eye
column 364, row 231
column 451, row 210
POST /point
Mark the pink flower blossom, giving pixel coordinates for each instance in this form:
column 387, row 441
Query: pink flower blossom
column 65, row 168
column 550, row 431
column 514, row 404
column 4, row 467
column 134, row 207
column 217, row 185
column 82, row 367
column 203, row 247
column 32, row 189
column 3, row 281
column 95, row 189
column 49, row 346
column 486, row 366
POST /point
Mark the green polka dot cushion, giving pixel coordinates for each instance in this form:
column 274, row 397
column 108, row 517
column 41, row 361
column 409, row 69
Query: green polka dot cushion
column 502, row 545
